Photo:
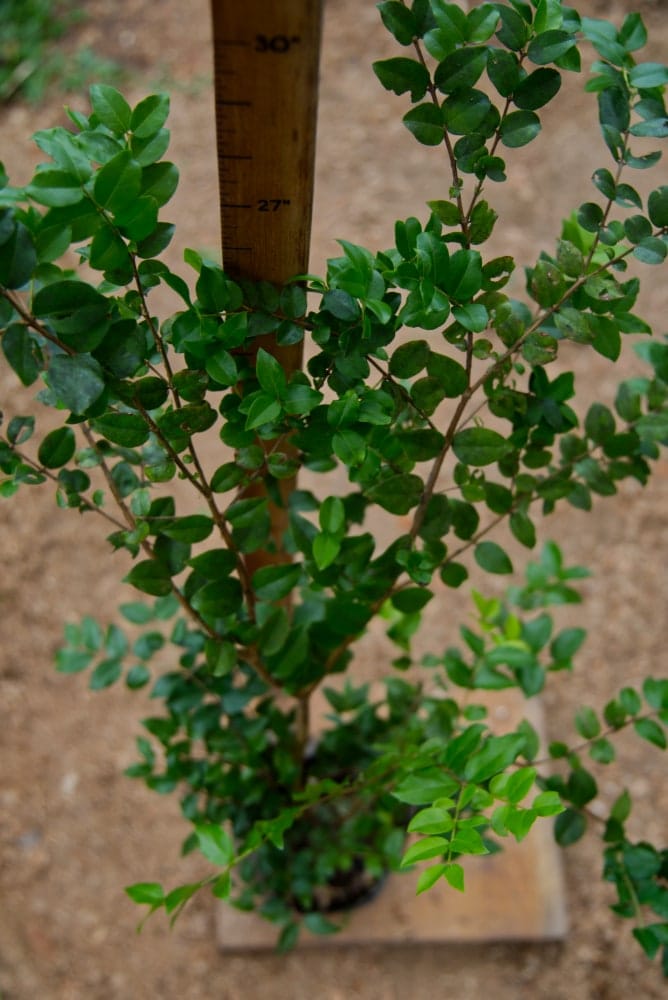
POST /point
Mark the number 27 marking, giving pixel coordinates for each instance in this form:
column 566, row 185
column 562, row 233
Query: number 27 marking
column 271, row 204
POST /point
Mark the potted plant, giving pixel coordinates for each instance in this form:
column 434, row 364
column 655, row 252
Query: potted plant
column 432, row 392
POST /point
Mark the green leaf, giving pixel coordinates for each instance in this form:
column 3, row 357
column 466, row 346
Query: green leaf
column 125, row 429
column 270, row 374
column 496, row 754
column 519, row 128
column 460, row 69
column 222, row 367
column 332, row 515
column 657, row 206
column 20, row 351
column 264, row 409
column 426, row 123
column 650, row 730
column 465, row 111
column 411, row 600
column 425, row 848
column 57, row 448
column 159, row 181
column 398, row 494
column 430, row 876
column 479, row 446
column 454, row 876
column 537, row 89
column 399, row 20
column 409, row 358
column 110, row 108
column 55, row 188
column 587, row 723
column 105, row 674
column 566, row 644
column 491, row 557
column 151, row 577
column 273, row 583
column 317, row 923
column 18, row 257
column 215, row 844
column 646, row 76
column 76, row 381
column 149, row 115
column 219, row 598
column 325, row 549
column 548, row 46
column 150, row 893
column 138, row 218
column 191, row 528
column 425, row 787
column 651, row 250
column 118, row 183
column 401, row 75
column 433, row 820
column 503, row 70
column 449, row 374
column 569, row 827
column 473, row 316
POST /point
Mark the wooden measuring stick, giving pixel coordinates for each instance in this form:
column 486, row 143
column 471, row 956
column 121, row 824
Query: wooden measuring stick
column 266, row 55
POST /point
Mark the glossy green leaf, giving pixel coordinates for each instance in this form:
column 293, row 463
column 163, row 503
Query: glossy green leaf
column 111, row 108
column 651, row 731
column 570, row 826
column 149, row 115
column 401, row 75
column 646, row 76
column 460, row 69
column 273, row 583
column 479, row 446
column 18, row 257
column 151, row 577
column 57, row 448
column 399, row 20
column 125, row 429
column 492, row 558
column 537, row 89
column 519, row 128
column 118, row 183
column 550, row 45
column 215, row 844
column 55, row 188
column 21, row 352
column 409, row 358
column 657, row 207
column 76, row 381
column 465, row 111
column 424, row 849
column 426, row 124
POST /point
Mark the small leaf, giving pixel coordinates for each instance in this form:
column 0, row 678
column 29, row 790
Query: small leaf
column 110, row 108
column 650, row 730
column 57, row 448
column 569, row 827
column 425, row 848
column 151, row 577
column 215, row 844
column 146, row 892
column 479, row 446
column 426, row 123
column 491, row 557
column 401, row 75
column 519, row 128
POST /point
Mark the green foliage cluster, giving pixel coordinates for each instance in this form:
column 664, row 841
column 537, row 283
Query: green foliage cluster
column 30, row 60
column 456, row 426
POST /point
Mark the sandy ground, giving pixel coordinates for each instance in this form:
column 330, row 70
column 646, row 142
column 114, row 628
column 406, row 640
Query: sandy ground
column 73, row 831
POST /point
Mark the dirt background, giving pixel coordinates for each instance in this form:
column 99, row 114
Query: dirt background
column 73, row 830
